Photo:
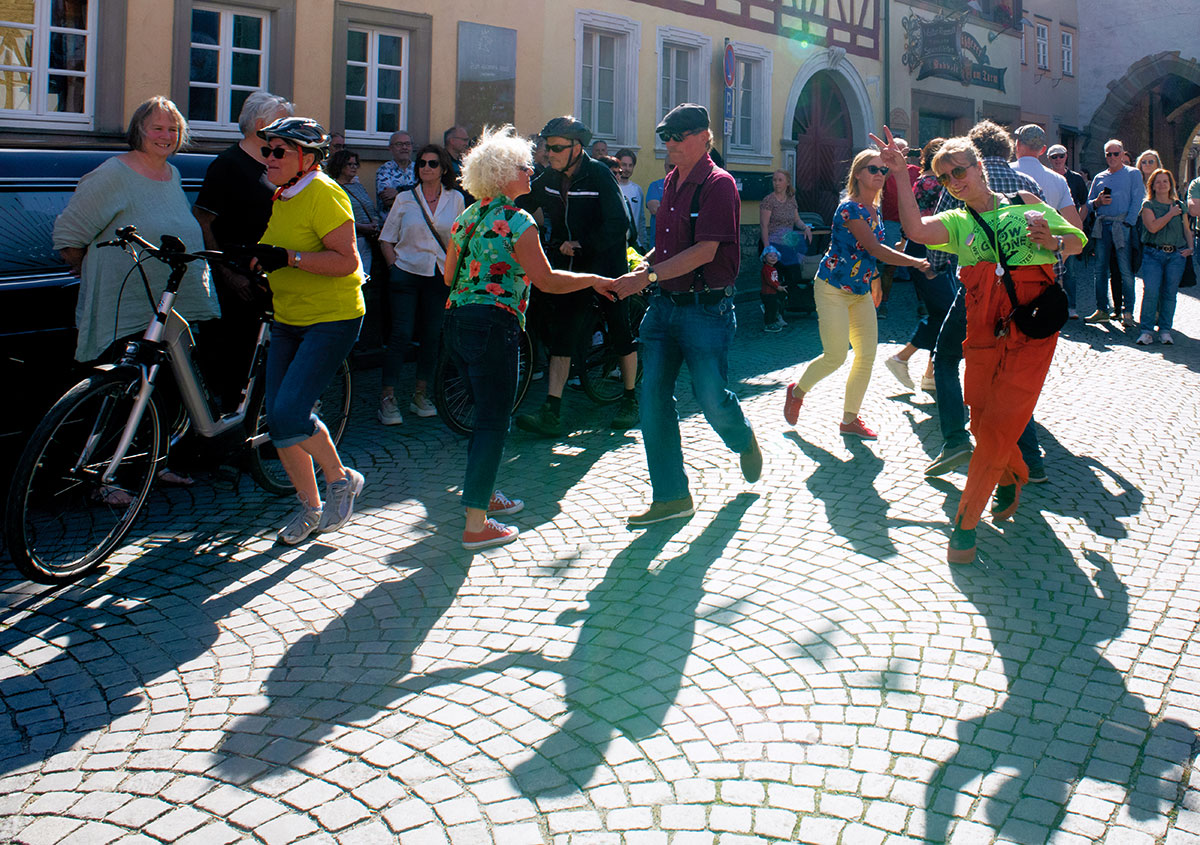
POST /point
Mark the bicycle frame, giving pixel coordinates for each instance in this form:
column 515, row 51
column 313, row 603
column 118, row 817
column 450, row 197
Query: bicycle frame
column 170, row 336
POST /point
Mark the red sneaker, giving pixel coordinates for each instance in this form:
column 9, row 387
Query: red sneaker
column 501, row 505
column 858, row 429
column 493, row 534
column 791, row 404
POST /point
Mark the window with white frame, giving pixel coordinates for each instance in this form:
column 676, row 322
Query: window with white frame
column 606, row 82
column 684, row 59
column 48, row 60
column 229, row 58
column 377, row 64
column 751, row 138
column 1042, row 33
column 1068, row 54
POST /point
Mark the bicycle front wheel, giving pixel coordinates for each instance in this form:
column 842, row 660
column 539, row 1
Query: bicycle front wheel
column 452, row 395
column 333, row 409
column 62, row 520
column 600, row 367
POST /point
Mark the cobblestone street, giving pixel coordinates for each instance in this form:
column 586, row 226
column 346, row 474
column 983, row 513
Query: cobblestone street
column 796, row 663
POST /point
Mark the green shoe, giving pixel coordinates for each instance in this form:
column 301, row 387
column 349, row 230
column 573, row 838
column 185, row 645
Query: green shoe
column 961, row 548
column 628, row 414
column 1004, row 503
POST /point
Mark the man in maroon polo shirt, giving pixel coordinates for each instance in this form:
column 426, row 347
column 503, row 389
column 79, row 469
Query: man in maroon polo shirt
column 695, row 262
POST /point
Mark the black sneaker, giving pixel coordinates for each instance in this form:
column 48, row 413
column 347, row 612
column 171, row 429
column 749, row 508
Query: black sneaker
column 751, row 460
column 950, row 458
column 1038, row 476
column 628, row 414
column 545, row 422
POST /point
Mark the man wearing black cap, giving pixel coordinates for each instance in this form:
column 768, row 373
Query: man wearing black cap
column 695, row 261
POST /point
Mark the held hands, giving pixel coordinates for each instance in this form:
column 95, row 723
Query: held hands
column 630, row 283
column 923, row 266
column 892, row 155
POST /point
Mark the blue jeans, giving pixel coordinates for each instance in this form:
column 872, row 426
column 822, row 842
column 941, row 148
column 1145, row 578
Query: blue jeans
column 301, row 361
column 699, row 335
column 482, row 341
column 417, row 302
column 937, row 294
column 1072, row 269
column 1104, row 246
column 1161, row 272
column 952, row 414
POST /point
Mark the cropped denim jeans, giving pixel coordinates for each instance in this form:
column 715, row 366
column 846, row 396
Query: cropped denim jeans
column 301, row 361
column 700, row 336
column 482, row 341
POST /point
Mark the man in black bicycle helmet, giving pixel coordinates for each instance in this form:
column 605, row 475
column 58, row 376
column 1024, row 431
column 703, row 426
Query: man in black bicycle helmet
column 583, row 229
column 302, row 132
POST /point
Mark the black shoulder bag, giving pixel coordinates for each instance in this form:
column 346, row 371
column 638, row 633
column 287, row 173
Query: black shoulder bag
column 1039, row 318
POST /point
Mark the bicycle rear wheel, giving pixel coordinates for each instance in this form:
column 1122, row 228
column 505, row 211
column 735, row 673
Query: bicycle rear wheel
column 452, row 396
column 600, row 367
column 333, row 409
column 61, row 520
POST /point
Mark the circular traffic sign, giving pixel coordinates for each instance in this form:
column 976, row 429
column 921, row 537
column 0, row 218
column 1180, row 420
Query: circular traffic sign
column 729, row 65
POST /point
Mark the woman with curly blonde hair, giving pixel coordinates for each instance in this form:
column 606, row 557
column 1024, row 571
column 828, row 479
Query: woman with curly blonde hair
column 494, row 255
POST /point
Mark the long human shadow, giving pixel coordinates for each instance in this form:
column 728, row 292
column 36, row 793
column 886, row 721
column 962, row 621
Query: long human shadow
column 854, row 508
column 1067, row 713
column 154, row 619
column 348, row 670
column 626, row 667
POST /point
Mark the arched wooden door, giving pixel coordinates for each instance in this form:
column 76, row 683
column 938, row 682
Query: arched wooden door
column 824, row 147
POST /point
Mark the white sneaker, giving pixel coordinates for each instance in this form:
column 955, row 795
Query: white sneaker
column 421, row 406
column 899, row 369
column 1145, row 339
column 1166, row 338
column 389, row 413
column 929, row 384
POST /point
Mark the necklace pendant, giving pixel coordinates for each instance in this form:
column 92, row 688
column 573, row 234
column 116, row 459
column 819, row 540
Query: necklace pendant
column 999, row 272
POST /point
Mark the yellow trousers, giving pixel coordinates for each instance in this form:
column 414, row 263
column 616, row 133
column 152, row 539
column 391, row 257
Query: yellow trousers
column 844, row 320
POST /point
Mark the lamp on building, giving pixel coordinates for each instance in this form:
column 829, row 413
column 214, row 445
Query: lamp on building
column 1017, row 25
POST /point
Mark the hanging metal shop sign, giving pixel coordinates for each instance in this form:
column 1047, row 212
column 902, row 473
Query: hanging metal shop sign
column 942, row 49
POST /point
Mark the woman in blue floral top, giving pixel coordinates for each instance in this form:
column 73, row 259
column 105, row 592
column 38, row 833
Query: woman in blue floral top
column 847, row 292
column 501, row 255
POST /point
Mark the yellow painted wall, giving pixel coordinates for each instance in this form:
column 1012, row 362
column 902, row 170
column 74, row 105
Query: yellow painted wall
column 148, row 51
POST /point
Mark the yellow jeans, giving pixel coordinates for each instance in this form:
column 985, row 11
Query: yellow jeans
column 844, row 320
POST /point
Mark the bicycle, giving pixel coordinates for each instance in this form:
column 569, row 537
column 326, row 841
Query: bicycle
column 90, row 464
column 452, row 394
column 598, row 365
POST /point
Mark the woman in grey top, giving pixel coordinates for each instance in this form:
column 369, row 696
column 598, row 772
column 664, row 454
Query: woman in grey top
column 342, row 167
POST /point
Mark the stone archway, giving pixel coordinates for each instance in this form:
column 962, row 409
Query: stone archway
column 828, row 116
column 1156, row 102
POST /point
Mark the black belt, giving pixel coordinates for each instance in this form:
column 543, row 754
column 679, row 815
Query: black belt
column 697, row 297
column 1166, row 248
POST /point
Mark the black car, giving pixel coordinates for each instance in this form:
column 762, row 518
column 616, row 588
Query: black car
column 37, row 289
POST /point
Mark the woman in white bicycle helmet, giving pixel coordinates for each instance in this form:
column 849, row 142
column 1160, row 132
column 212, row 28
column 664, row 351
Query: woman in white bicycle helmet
column 316, row 281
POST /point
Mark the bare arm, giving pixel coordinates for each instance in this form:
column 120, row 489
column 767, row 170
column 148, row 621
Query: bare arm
column 764, row 226
column 696, row 255
column 73, row 255
column 1071, row 214
column 339, row 258
column 1155, row 224
column 537, row 268
column 1194, row 206
column 923, row 230
column 389, row 252
column 880, row 252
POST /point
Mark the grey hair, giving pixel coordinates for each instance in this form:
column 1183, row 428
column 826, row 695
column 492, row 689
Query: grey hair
column 495, row 160
column 264, row 106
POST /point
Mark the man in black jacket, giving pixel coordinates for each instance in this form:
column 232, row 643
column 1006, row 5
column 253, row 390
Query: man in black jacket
column 583, row 229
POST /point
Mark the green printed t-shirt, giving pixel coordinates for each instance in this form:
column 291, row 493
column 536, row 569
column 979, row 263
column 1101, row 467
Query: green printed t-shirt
column 489, row 273
column 302, row 298
column 972, row 245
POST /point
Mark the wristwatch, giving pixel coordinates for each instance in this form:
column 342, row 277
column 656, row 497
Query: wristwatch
column 1058, row 239
column 651, row 275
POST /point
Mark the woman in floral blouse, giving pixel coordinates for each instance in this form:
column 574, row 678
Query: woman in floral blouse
column 494, row 255
column 847, row 292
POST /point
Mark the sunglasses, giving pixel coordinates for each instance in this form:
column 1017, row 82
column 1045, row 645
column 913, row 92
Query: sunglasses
column 1113, row 155
column 1058, row 155
column 429, row 162
column 676, row 137
column 559, row 148
column 954, row 173
column 277, row 152
column 876, row 170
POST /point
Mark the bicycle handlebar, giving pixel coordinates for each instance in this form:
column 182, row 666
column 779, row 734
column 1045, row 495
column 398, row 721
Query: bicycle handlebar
column 173, row 252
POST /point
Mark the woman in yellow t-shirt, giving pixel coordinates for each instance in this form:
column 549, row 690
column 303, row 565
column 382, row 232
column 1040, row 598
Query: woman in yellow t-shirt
column 316, row 287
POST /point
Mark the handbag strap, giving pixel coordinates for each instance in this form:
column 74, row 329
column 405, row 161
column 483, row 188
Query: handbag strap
column 462, row 253
column 428, row 219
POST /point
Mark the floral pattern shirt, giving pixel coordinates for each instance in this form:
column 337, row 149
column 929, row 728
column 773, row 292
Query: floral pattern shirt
column 847, row 265
column 488, row 272
column 928, row 190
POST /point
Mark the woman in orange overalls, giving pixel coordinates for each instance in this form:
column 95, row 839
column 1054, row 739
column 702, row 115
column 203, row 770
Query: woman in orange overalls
column 1004, row 374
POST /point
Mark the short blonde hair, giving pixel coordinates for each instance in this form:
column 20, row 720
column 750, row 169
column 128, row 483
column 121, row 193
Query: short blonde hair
column 134, row 134
column 960, row 152
column 495, row 161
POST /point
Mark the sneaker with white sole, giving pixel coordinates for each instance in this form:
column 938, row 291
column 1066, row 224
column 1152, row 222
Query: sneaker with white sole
column 339, row 500
column 502, row 505
column 303, row 523
column 899, row 369
column 1145, row 339
column 929, row 384
column 857, row 428
column 421, row 406
column 389, row 411
column 493, row 534
column 1072, row 314
column 1166, row 338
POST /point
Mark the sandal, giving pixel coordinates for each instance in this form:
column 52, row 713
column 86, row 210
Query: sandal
column 174, row 479
column 108, row 494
